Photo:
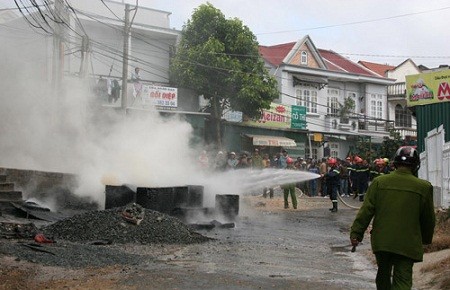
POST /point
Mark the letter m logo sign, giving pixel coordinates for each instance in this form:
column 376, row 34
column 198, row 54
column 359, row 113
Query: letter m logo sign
column 443, row 91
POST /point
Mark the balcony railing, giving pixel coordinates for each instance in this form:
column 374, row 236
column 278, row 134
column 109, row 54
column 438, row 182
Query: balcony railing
column 368, row 124
column 375, row 125
column 397, row 90
column 406, row 132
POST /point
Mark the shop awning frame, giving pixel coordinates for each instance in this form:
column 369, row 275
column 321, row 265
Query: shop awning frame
column 274, row 141
column 320, row 82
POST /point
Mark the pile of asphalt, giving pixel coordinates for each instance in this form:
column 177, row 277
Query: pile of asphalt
column 69, row 254
column 108, row 225
column 100, row 238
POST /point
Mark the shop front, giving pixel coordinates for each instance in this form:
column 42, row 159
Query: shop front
column 280, row 127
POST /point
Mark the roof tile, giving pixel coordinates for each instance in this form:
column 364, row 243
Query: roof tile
column 378, row 68
column 334, row 61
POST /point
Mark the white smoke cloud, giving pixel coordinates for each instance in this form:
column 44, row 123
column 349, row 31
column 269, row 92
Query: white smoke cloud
column 72, row 133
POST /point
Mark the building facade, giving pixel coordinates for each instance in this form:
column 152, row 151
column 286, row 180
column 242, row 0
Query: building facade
column 89, row 41
column 322, row 81
column 404, row 121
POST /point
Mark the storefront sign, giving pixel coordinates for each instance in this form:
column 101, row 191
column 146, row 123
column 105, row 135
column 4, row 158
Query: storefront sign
column 281, row 116
column 298, row 117
column 318, row 137
column 160, row 96
column 428, row 88
column 278, row 116
column 233, row 116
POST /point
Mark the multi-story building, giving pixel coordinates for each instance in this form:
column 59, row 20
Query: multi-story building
column 322, row 80
column 404, row 121
column 92, row 40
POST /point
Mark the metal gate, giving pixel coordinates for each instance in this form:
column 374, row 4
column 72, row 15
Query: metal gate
column 432, row 164
column 446, row 175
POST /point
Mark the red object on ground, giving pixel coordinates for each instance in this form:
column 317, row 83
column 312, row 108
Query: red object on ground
column 40, row 238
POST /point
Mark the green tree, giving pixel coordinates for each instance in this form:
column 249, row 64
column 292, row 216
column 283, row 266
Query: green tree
column 370, row 151
column 390, row 145
column 219, row 59
column 347, row 107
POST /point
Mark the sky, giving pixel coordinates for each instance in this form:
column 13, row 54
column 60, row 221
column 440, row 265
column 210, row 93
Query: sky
column 381, row 31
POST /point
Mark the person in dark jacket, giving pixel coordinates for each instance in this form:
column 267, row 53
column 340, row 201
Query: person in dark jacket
column 313, row 182
column 289, row 188
column 359, row 175
column 332, row 180
column 402, row 209
column 344, row 177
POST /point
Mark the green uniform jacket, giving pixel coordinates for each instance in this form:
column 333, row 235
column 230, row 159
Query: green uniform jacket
column 403, row 211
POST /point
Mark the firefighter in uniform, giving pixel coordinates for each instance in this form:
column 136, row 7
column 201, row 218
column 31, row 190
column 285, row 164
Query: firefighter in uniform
column 374, row 169
column 380, row 168
column 332, row 180
column 402, row 209
column 359, row 175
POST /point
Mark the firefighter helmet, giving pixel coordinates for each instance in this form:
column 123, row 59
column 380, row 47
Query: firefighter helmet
column 332, row 161
column 358, row 159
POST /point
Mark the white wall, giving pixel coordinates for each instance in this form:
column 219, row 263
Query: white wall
column 149, row 46
column 435, row 166
column 147, row 50
column 407, row 68
column 144, row 15
column 287, row 89
column 376, row 89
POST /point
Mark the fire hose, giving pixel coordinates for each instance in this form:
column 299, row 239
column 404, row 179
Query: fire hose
column 346, row 204
column 300, row 193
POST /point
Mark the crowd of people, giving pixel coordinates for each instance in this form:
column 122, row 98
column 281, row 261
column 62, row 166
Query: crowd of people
column 345, row 177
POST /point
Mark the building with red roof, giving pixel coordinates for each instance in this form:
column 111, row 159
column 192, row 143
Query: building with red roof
column 322, row 81
column 404, row 122
column 380, row 69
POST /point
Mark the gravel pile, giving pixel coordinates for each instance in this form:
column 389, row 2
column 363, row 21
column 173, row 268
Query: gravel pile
column 97, row 239
column 70, row 255
column 108, row 225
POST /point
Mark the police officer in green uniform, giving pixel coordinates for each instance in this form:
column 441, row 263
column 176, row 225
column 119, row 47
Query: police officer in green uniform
column 401, row 206
column 289, row 188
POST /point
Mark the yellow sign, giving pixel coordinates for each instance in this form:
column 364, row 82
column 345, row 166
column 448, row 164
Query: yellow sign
column 318, row 137
column 428, row 88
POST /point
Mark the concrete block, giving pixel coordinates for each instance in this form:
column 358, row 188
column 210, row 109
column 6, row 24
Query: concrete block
column 117, row 196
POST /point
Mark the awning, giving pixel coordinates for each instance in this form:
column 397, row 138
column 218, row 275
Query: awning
column 276, row 141
column 319, row 81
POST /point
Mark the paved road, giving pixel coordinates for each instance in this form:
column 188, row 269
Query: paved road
column 287, row 249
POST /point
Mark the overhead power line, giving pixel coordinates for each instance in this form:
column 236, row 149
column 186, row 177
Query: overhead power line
column 398, row 56
column 356, row 22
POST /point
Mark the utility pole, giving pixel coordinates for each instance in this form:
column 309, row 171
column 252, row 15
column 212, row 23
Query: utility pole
column 84, row 56
column 58, row 51
column 126, row 41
